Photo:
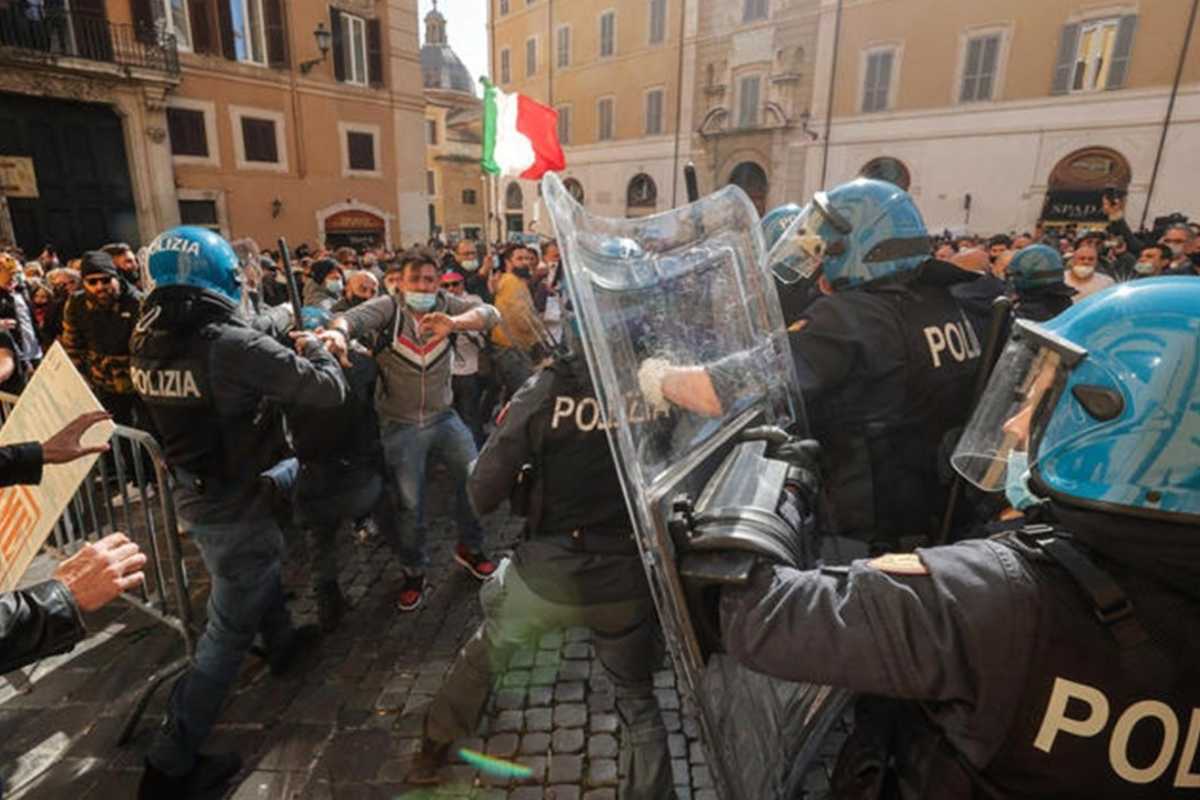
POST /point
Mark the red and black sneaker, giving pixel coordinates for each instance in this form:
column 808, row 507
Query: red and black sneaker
column 475, row 562
column 412, row 592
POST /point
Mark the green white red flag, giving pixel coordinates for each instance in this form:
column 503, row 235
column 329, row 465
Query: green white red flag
column 520, row 136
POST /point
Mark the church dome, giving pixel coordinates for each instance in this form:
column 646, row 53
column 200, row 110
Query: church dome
column 440, row 67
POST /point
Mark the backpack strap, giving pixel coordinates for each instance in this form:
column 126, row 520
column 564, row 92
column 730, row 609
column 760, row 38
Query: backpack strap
column 1109, row 602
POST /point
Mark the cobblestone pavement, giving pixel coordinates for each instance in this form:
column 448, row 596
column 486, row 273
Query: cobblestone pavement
column 345, row 723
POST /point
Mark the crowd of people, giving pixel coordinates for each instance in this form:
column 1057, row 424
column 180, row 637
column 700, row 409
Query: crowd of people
column 405, row 359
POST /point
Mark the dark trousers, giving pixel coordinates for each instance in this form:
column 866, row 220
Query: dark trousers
column 627, row 641
column 468, row 400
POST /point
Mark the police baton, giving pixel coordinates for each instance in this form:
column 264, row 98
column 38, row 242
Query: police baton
column 1001, row 307
column 292, row 287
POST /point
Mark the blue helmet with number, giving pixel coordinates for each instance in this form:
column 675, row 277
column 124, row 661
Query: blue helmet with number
column 1035, row 267
column 1105, row 400
column 195, row 257
column 858, row 233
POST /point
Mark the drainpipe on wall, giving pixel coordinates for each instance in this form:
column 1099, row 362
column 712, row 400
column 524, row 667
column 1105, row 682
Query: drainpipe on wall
column 837, row 35
column 1162, row 139
column 678, row 108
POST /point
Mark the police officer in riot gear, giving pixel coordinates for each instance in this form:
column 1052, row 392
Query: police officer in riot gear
column 579, row 565
column 1056, row 661
column 207, row 375
column 1036, row 273
column 885, row 362
column 795, row 294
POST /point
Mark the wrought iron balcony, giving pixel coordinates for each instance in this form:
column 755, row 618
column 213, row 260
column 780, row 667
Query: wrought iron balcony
column 35, row 33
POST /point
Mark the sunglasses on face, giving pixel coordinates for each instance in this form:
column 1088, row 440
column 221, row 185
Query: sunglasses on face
column 96, row 281
column 452, row 284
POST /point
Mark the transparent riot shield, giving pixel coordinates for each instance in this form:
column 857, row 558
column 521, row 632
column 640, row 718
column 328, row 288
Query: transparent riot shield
column 691, row 286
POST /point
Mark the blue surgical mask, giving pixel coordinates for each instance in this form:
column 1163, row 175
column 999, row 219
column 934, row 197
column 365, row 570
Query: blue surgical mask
column 420, row 301
column 471, row 264
column 335, row 287
column 1016, row 484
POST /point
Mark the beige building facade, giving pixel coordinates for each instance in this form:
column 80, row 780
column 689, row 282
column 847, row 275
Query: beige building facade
column 141, row 114
column 619, row 73
column 754, row 64
column 998, row 115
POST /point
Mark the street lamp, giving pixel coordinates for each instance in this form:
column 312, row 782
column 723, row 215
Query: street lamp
column 324, row 41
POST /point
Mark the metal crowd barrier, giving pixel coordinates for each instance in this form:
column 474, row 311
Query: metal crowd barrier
column 129, row 490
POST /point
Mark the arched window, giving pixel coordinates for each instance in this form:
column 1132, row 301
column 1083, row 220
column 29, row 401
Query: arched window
column 642, row 192
column 575, row 188
column 753, row 181
column 514, row 200
column 886, row 168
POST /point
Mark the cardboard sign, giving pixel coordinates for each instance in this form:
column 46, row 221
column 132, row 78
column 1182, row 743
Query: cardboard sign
column 17, row 177
column 56, row 395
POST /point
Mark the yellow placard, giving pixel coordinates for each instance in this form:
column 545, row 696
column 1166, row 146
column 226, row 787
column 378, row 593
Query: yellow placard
column 17, row 177
column 56, row 395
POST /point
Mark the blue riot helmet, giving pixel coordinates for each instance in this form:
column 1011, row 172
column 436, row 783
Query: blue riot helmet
column 1035, row 267
column 860, row 232
column 312, row 317
column 197, row 258
column 1102, row 403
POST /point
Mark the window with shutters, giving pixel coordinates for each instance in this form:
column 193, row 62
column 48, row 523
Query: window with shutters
column 431, row 132
column 604, row 119
column 258, row 138
column 171, row 17
column 531, row 56
column 562, row 56
column 877, row 80
column 654, row 112
column 503, row 7
column 505, row 66
column 748, row 101
column 564, row 124
column 430, row 183
column 189, row 136
column 361, row 149
column 468, row 197
column 1094, row 55
column 658, row 21
column 249, row 31
column 608, row 33
column 980, row 64
column 753, row 10
column 202, row 213
column 354, row 49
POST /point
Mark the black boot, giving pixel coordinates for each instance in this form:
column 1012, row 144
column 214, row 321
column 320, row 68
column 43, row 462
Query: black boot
column 302, row 640
column 331, row 605
column 210, row 774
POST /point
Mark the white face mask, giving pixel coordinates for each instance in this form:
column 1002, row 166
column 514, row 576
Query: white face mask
column 1082, row 271
column 1176, row 248
column 1144, row 268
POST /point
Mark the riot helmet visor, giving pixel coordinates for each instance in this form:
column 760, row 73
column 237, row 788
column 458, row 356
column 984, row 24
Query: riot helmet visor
column 1025, row 387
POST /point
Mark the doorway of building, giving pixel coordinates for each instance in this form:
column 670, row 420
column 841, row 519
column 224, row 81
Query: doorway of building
column 753, row 181
column 1077, row 185
column 82, row 195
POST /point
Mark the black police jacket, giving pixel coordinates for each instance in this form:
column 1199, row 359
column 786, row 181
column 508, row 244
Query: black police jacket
column 207, row 376
column 581, row 547
column 1029, row 691
column 347, row 432
column 886, row 373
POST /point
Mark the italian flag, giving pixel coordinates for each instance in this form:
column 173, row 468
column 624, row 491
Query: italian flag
column 520, row 136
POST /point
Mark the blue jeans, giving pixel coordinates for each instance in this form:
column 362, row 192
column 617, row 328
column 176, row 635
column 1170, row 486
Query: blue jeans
column 243, row 559
column 407, row 448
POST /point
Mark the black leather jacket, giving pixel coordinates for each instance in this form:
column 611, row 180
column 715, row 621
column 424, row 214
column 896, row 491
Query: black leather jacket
column 40, row 621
